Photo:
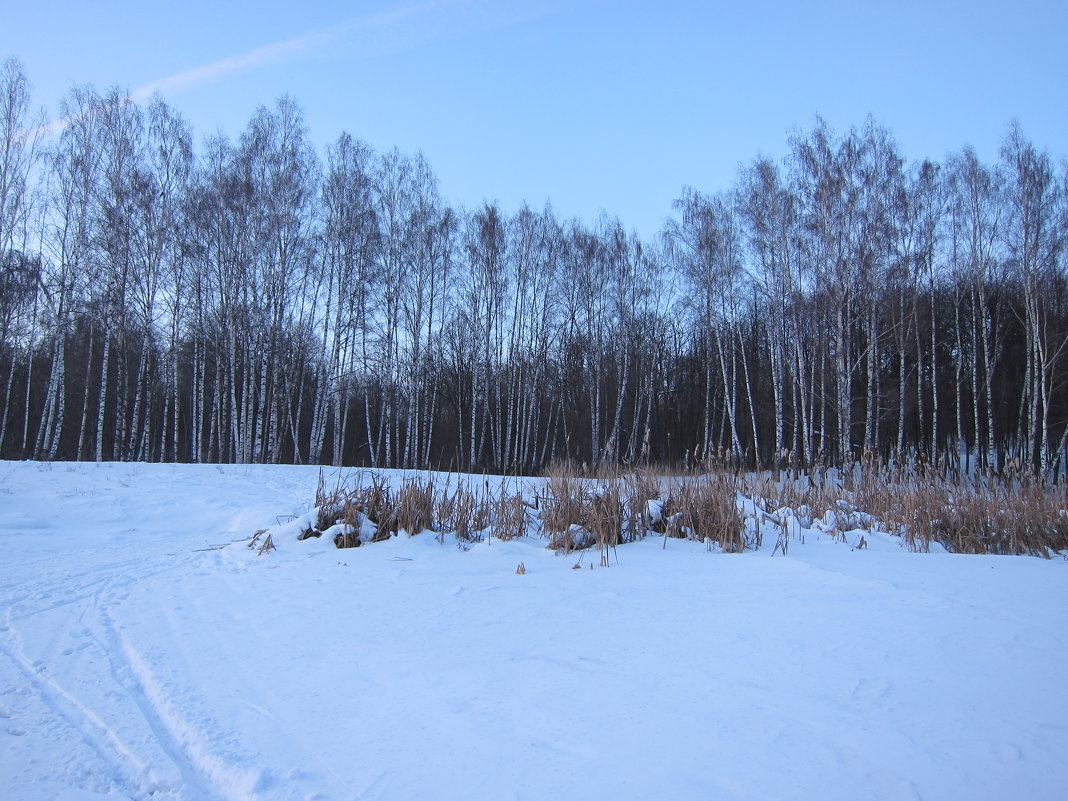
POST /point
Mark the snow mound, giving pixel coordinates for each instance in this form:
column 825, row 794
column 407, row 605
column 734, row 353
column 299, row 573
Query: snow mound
column 147, row 652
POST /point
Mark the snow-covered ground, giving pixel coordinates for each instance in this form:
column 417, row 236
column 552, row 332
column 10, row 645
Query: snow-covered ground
column 138, row 659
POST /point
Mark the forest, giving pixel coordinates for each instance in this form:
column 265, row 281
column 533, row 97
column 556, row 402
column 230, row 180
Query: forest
column 255, row 301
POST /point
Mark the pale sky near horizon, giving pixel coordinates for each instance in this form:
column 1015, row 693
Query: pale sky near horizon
column 590, row 104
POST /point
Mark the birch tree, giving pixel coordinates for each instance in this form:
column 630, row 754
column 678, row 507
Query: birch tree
column 20, row 152
column 350, row 258
column 71, row 175
column 1035, row 242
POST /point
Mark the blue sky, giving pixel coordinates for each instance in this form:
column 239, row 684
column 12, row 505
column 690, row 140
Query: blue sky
column 588, row 104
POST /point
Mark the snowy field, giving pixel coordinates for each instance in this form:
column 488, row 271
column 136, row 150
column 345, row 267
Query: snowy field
column 138, row 659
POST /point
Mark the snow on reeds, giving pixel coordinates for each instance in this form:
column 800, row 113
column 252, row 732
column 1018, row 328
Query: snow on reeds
column 1015, row 513
column 705, row 509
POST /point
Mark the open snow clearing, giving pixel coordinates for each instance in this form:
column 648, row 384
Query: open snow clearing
column 147, row 653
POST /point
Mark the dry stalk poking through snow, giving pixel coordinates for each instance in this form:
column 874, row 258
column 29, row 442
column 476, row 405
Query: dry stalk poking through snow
column 415, row 506
column 1014, row 514
column 706, row 510
column 566, row 513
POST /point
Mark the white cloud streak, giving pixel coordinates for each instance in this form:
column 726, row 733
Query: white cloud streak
column 307, row 44
column 288, row 50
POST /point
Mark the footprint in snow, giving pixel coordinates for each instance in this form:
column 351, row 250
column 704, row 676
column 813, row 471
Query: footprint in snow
column 874, row 693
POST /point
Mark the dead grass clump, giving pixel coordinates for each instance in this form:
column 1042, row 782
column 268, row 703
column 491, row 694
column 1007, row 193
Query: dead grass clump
column 706, row 510
column 510, row 517
column 973, row 523
column 566, row 512
column 351, row 522
column 675, row 513
column 378, row 504
column 330, row 503
column 1029, row 519
column 919, row 516
column 347, row 538
column 414, row 508
column 1018, row 515
column 638, row 490
column 1013, row 513
column 1042, row 512
column 464, row 514
column 798, row 493
column 606, row 519
column 878, row 488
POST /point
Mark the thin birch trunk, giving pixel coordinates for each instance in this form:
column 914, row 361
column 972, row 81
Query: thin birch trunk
column 103, row 394
column 728, row 394
column 84, row 423
column 7, row 402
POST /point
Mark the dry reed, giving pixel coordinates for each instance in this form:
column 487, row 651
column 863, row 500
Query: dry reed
column 606, row 519
column 566, row 512
column 510, row 517
column 462, row 513
column 414, row 508
column 706, row 510
column 1015, row 513
column 638, row 490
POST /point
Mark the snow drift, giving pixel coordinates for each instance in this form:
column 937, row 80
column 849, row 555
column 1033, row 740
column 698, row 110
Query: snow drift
column 147, row 652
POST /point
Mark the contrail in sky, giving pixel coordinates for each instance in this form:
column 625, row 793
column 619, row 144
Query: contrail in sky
column 298, row 47
column 286, row 50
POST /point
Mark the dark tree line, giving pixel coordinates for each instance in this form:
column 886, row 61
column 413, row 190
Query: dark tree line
column 251, row 301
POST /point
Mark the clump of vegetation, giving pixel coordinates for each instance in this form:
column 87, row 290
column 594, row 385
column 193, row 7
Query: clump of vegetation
column 511, row 517
column 414, row 507
column 706, row 510
column 641, row 495
column 379, row 506
column 983, row 518
column 330, row 505
column 1017, row 513
column 344, row 511
column 463, row 514
column 606, row 519
column 566, row 512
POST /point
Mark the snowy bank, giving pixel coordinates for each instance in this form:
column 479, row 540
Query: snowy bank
column 147, row 652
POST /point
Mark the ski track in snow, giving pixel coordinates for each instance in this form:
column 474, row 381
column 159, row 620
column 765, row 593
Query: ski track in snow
column 146, row 653
column 158, row 755
column 128, row 723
